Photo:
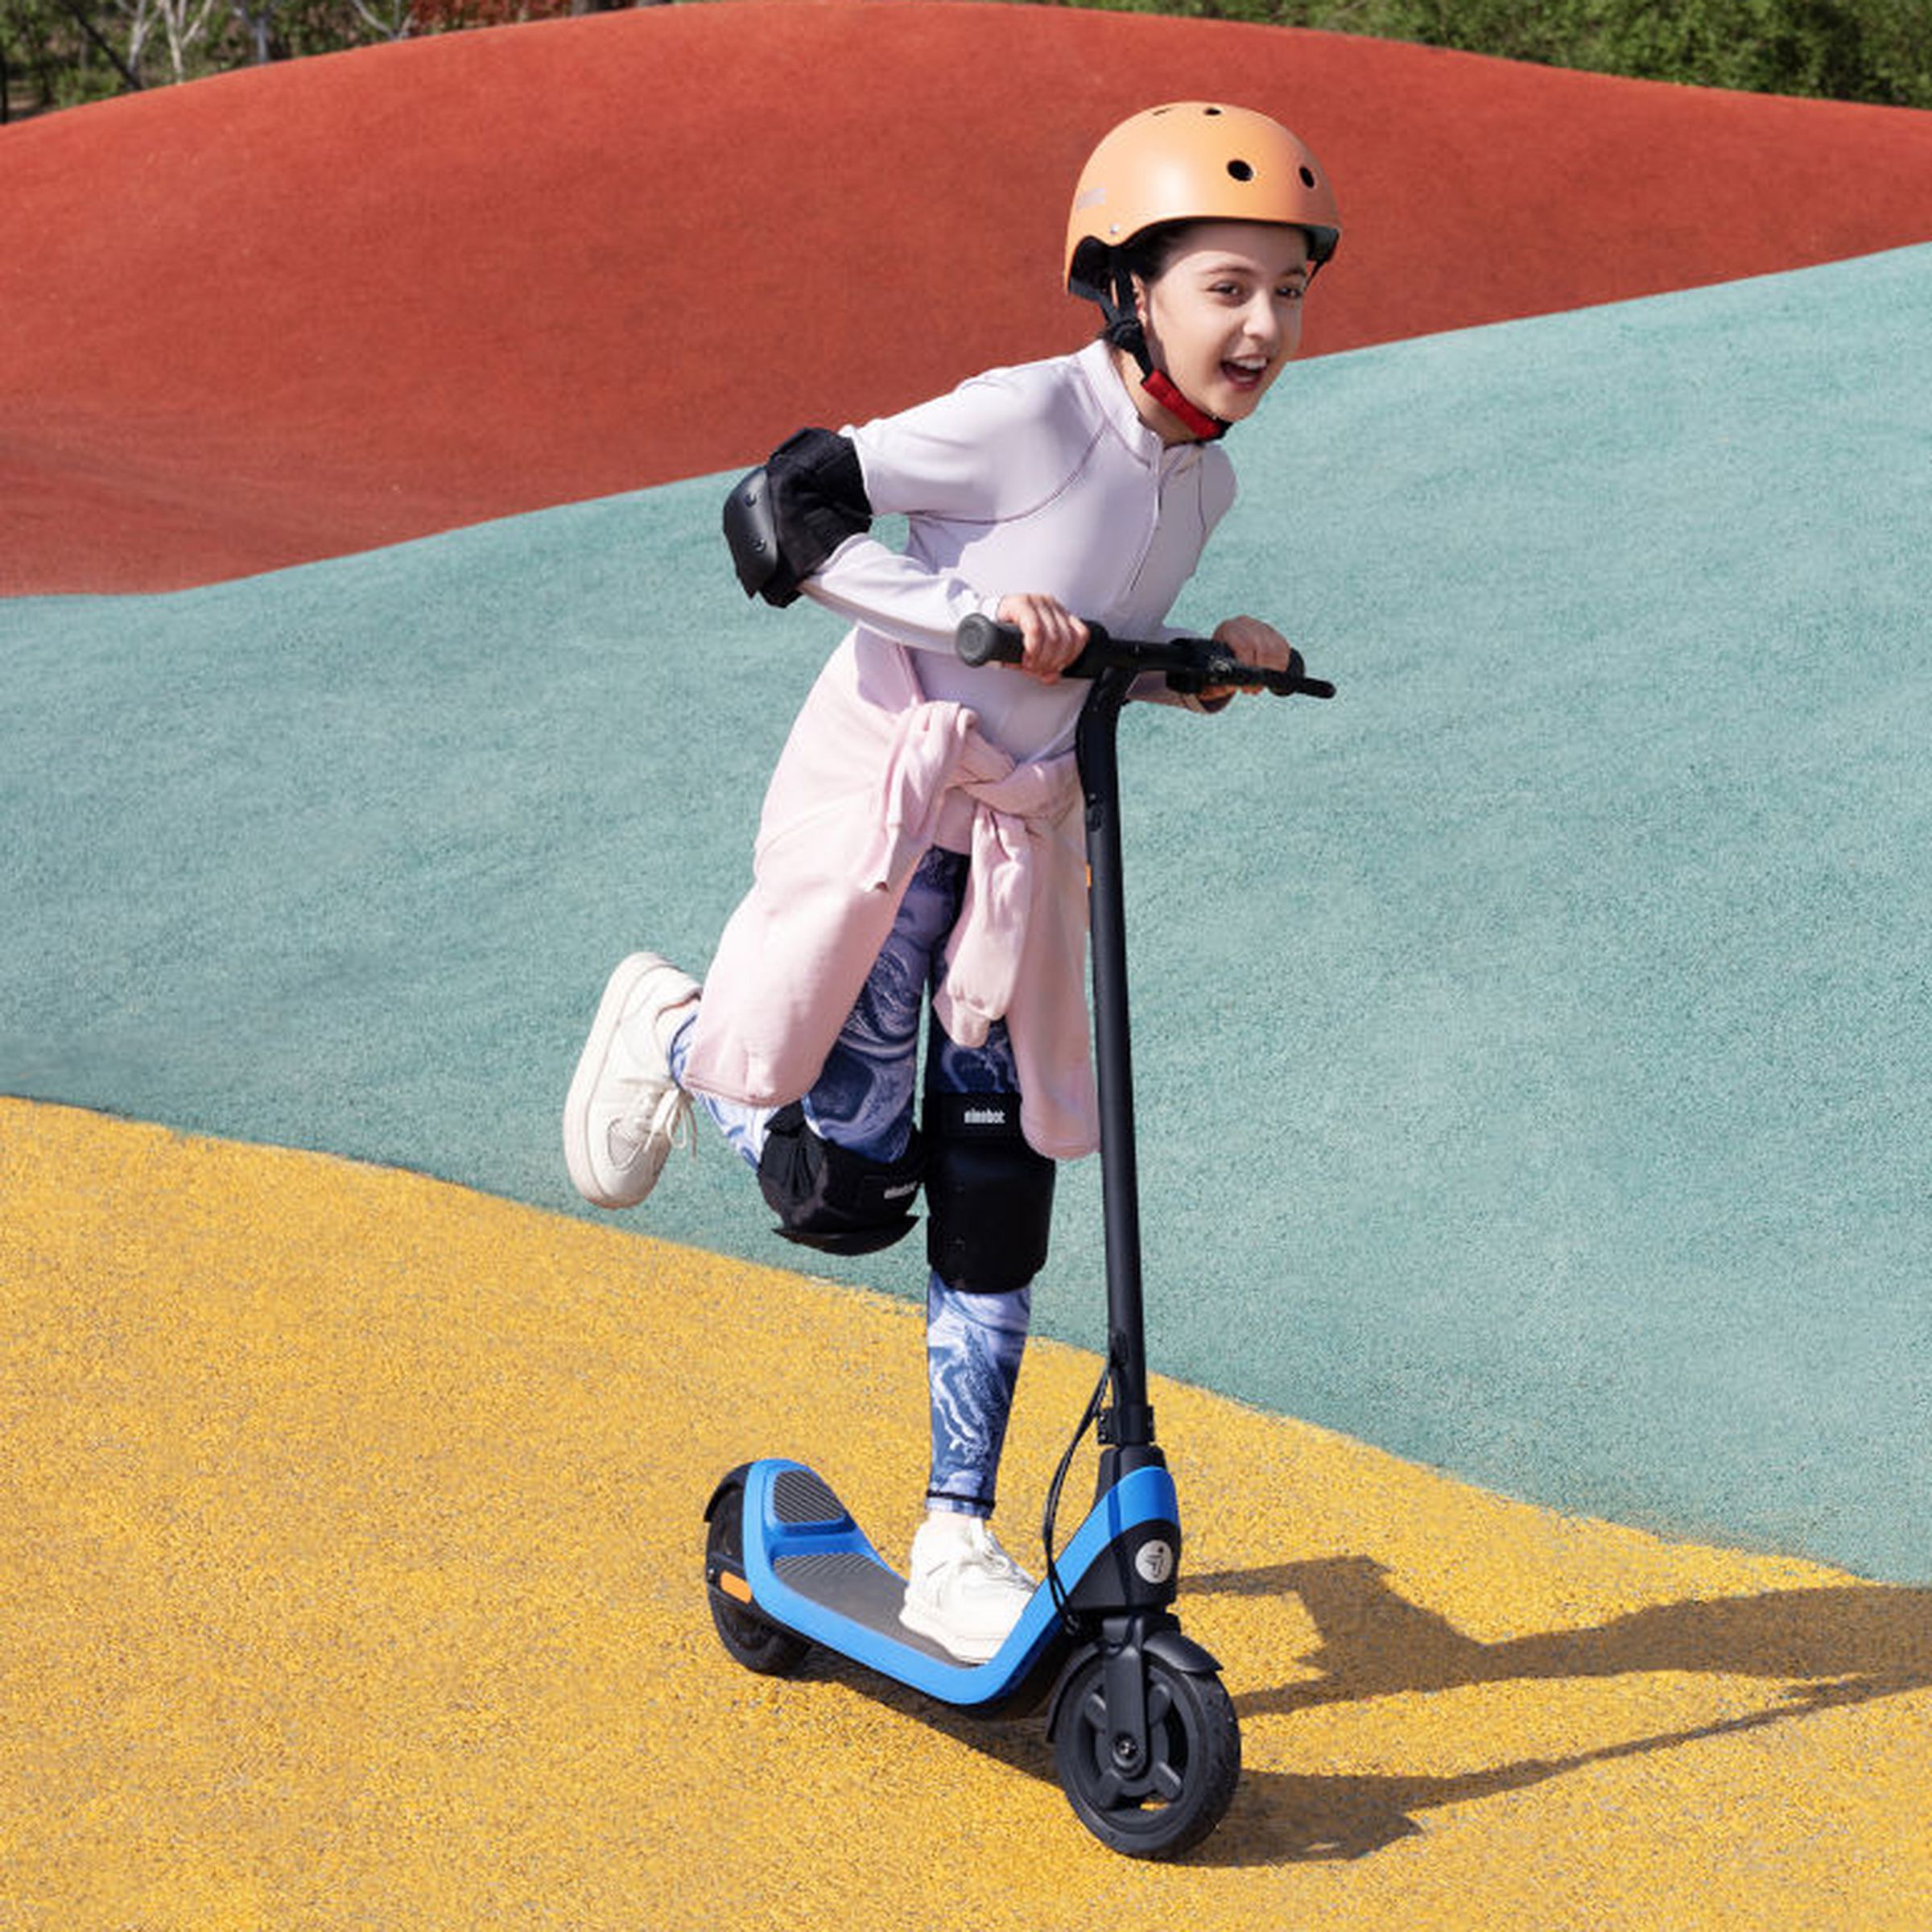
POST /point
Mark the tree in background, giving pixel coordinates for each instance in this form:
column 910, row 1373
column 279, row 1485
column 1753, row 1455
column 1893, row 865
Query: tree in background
column 1878, row 51
column 55, row 53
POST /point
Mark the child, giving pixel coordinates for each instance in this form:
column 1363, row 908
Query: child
column 921, row 840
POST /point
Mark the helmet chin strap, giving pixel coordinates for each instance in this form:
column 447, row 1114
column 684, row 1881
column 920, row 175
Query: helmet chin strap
column 1124, row 330
column 1201, row 426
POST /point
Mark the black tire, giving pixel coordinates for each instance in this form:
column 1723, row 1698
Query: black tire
column 756, row 1644
column 1168, row 1806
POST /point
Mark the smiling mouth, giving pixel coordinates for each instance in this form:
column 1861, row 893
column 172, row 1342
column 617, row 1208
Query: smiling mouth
column 1244, row 374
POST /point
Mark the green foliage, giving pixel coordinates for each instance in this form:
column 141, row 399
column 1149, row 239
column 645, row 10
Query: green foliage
column 62, row 53
column 48, row 61
column 58, row 53
column 1845, row 50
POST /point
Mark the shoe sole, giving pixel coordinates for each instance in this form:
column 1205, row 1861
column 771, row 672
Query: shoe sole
column 577, row 1155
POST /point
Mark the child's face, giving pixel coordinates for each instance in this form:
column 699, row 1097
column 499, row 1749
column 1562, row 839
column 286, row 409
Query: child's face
column 1225, row 314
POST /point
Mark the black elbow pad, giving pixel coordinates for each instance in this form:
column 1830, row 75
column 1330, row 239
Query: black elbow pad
column 783, row 519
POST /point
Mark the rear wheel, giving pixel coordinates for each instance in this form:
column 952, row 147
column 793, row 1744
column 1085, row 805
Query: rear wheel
column 1165, row 1804
column 756, row 1644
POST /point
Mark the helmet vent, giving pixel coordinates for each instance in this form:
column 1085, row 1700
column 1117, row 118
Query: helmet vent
column 1242, row 170
column 1308, row 175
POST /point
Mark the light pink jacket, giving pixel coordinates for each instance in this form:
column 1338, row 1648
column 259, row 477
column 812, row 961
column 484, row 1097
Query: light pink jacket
column 872, row 774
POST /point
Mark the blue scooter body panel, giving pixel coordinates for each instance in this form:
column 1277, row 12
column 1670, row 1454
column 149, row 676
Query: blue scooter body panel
column 812, row 1568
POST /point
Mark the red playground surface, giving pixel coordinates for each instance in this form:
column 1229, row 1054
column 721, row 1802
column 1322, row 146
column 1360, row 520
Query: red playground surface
column 317, row 307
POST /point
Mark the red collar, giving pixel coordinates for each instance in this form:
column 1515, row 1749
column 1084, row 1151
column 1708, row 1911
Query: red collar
column 1198, row 423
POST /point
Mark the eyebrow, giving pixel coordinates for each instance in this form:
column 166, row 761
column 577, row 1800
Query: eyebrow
column 1238, row 267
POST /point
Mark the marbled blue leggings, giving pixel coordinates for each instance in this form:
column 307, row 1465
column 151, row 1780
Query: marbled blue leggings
column 864, row 1100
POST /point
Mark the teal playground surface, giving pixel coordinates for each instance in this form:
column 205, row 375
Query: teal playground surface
column 1534, row 1046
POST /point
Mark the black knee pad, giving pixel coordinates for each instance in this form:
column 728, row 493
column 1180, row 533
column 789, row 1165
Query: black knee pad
column 828, row 1197
column 989, row 1195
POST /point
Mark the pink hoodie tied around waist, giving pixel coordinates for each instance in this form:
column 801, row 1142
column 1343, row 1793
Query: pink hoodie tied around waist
column 871, row 776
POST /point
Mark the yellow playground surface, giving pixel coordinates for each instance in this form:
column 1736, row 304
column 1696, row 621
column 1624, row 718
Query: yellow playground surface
column 352, row 1534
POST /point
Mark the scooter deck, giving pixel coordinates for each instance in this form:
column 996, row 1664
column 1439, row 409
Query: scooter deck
column 811, row 1568
column 848, row 1577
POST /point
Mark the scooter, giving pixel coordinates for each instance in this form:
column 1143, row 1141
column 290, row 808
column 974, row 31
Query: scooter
column 1147, row 1744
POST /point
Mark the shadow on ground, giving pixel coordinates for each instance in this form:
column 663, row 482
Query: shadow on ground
column 1822, row 1649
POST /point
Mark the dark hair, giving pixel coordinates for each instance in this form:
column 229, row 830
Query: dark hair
column 1147, row 256
column 1149, row 253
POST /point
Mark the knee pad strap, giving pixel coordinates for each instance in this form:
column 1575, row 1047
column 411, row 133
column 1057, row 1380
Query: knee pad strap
column 828, row 1197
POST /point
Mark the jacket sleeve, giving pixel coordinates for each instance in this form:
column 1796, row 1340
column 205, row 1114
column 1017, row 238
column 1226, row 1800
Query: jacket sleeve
column 990, row 449
column 867, row 583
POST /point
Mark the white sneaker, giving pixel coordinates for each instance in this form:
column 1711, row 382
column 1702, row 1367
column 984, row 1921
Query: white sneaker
column 624, row 1110
column 965, row 1592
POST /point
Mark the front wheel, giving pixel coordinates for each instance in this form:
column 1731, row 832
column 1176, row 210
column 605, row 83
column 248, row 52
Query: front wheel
column 758, row 1644
column 1167, row 1805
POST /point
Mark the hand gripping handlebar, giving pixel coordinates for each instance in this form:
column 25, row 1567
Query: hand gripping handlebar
column 1189, row 664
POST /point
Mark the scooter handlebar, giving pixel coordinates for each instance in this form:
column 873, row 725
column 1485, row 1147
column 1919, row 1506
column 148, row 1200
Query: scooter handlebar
column 1189, row 664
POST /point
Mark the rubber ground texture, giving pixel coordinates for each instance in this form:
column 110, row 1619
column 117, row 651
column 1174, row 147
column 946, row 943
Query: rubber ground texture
column 354, row 1538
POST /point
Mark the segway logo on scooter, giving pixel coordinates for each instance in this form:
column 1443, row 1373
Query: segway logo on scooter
column 1154, row 1561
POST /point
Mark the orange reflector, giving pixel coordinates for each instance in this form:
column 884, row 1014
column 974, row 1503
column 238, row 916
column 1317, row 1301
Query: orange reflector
column 734, row 1585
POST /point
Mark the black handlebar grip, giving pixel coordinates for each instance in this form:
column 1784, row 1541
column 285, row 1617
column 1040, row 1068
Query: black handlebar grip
column 981, row 640
column 1299, row 683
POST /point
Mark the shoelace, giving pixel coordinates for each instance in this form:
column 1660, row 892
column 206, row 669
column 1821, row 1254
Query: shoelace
column 983, row 1552
column 663, row 1110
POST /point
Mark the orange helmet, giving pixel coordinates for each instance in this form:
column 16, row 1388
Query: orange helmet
column 1193, row 161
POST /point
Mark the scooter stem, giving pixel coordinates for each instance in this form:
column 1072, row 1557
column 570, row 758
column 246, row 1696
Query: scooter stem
column 1095, row 751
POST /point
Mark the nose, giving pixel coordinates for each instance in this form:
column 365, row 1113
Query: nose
column 1261, row 322
column 1275, row 323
